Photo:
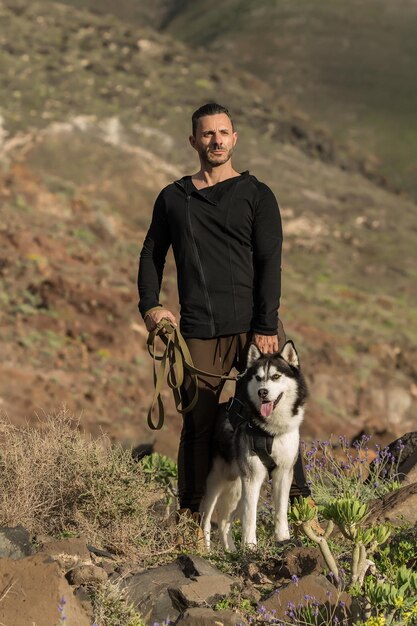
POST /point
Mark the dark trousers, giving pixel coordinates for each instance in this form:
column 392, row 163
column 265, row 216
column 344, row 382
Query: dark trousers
column 219, row 356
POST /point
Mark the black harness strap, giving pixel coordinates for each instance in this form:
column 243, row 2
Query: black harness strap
column 234, row 409
column 261, row 445
column 260, row 440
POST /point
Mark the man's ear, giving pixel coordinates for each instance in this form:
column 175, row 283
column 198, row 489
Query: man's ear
column 235, row 138
column 253, row 355
column 191, row 139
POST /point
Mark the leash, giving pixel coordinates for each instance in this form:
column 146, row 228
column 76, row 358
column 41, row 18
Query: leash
column 175, row 359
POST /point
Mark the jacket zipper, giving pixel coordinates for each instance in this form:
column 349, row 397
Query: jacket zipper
column 200, row 267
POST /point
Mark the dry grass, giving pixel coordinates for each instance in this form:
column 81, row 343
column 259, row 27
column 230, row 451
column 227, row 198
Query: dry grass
column 53, row 480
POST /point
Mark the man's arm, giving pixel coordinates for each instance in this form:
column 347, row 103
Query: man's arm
column 151, row 266
column 267, row 249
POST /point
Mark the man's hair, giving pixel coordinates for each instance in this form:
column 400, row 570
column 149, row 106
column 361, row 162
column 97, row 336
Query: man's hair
column 211, row 108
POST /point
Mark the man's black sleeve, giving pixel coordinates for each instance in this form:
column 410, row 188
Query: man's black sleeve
column 267, row 249
column 152, row 257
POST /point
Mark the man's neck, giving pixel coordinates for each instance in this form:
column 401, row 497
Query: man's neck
column 207, row 177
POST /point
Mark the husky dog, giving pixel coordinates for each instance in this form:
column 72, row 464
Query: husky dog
column 257, row 433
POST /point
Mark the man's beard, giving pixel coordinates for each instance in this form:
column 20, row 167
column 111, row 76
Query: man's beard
column 215, row 161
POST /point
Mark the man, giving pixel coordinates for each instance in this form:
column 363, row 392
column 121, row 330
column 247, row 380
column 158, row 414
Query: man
column 225, row 230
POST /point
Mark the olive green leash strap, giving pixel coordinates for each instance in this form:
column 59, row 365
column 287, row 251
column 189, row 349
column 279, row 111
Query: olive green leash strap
column 174, row 360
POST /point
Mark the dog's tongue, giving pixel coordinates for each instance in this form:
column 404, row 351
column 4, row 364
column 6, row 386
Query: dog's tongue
column 266, row 408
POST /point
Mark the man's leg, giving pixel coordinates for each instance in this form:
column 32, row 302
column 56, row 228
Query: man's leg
column 194, row 455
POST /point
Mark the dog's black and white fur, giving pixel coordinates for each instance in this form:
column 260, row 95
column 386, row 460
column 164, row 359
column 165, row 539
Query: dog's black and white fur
column 272, row 394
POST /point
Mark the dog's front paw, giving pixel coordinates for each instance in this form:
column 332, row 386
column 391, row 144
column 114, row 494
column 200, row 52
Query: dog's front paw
column 282, row 535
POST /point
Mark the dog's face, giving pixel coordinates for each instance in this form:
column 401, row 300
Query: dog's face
column 275, row 383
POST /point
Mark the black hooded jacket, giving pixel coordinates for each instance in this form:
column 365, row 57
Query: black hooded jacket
column 227, row 242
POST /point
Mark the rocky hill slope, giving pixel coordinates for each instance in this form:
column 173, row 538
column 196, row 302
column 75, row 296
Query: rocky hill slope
column 349, row 65
column 94, row 121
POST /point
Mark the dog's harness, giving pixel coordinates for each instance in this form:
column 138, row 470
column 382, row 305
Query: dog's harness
column 260, row 441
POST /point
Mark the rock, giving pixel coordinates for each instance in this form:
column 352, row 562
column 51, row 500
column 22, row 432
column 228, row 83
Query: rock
column 105, row 554
column 313, row 585
column 67, row 552
column 300, row 561
column 256, row 575
column 106, row 226
column 84, row 599
column 411, row 476
column 208, row 617
column 15, row 543
column 250, row 592
column 34, row 591
column 86, row 575
column 252, row 571
column 392, row 403
column 148, row 591
column 108, row 568
column 127, row 570
column 404, row 451
column 398, row 507
column 193, row 566
column 205, row 590
column 165, row 592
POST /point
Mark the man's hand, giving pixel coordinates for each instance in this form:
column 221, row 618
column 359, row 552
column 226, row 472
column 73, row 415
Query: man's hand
column 267, row 344
column 153, row 318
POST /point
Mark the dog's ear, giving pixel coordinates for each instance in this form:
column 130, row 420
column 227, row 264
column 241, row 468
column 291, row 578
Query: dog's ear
column 253, row 355
column 289, row 353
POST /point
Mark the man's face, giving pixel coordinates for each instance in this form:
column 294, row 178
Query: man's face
column 214, row 139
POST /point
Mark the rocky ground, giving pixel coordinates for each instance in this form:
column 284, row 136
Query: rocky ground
column 50, row 581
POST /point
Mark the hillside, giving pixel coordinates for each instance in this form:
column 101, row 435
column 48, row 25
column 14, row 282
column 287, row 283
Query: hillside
column 349, row 65
column 95, row 117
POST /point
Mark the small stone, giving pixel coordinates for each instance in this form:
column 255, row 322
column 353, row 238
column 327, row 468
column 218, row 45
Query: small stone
column 205, row 590
column 68, row 552
column 15, row 543
column 108, row 567
column 86, row 575
column 252, row 570
column 251, row 593
column 193, row 565
column 84, row 599
column 300, row 561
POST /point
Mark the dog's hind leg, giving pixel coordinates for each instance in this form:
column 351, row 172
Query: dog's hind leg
column 226, row 506
column 214, row 487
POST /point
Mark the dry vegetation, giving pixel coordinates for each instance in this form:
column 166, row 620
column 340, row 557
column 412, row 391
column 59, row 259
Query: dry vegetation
column 55, row 481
